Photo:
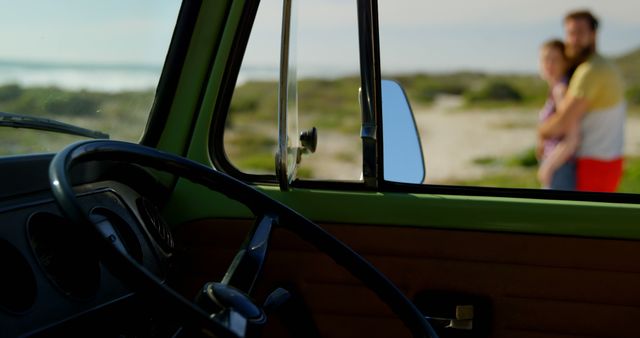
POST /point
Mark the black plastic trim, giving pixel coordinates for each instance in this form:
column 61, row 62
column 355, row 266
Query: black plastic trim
column 543, row 194
column 172, row 69
column 216, row 137
column 433, row 189
column 370, row 102
column 377, row 82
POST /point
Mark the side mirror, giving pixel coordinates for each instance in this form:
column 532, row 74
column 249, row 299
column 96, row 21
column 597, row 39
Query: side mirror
column 403, row 161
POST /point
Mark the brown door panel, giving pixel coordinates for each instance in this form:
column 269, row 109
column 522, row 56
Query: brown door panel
column 537, row 286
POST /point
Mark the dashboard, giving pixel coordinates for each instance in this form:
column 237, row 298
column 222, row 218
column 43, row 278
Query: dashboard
column 52, row 277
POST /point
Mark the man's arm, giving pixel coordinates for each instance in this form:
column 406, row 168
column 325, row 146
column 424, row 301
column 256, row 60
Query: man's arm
column 568, row 113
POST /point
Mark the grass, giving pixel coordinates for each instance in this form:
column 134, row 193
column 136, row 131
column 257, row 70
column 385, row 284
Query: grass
column 631, row 178
column 524, row 159
column 524, row 176
column 251, row 138
column 508, row 179
column 332, row 106
column 122, row 115
column 517, row 171
column 261, row 163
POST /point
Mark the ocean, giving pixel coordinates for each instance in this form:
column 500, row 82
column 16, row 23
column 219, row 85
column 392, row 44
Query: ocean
column 120, row 77
column 109, row 78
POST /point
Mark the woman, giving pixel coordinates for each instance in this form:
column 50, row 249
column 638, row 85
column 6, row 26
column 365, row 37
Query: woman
column 556, row 156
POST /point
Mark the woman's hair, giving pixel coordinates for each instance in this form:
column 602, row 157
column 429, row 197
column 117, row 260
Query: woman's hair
column 560, row 46
column 556, row 44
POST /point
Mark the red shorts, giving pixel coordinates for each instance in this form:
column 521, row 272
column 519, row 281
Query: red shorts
column 597, row 175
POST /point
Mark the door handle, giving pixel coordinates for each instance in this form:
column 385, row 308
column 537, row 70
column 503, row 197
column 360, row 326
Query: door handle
column 455, row 314
column 463, row 318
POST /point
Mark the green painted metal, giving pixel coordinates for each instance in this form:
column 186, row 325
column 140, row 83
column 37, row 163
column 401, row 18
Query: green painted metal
column 516, row 215
column 212, row 41
column 203, row 47
column 199, row 150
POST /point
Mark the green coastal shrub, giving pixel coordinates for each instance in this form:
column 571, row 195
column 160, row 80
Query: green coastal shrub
column 633, row 95
column 10, row 92
column 72, row 103
column 256, row 97
column 494, row 91
column 51, row 101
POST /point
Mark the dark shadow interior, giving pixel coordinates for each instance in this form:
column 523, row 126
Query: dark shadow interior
column 523, row 285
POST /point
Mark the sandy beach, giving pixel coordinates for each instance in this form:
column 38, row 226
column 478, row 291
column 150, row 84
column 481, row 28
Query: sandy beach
column 452, row 138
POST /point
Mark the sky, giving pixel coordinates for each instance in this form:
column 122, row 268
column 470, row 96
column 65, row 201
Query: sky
column 77, row 31
column 416, row 35
column 438, row 36
column 498, row 35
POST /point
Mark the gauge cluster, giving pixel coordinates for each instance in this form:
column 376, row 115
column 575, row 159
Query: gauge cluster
column 52, row 269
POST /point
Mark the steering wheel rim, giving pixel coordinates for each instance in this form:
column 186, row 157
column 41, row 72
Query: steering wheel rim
column 259, row 204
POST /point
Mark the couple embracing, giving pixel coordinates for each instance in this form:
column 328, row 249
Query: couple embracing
column 581, row 132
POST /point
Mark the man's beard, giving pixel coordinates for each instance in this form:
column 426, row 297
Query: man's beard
column 579, row 56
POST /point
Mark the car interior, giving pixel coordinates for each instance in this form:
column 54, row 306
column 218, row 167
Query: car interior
column 164, row 237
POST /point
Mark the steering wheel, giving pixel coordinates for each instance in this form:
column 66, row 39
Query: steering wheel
column 246, row 266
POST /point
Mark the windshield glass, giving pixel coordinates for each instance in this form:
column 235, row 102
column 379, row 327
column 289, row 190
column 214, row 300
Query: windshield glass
column 94, row 65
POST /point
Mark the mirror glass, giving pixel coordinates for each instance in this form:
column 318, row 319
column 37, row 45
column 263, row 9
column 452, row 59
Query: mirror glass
column 403, row 161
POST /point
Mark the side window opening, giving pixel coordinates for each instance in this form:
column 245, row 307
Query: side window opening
column 327, row 92
column 475, row 80
column 471, row 76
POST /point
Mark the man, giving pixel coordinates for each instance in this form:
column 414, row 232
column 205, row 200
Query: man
column 595, row 100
